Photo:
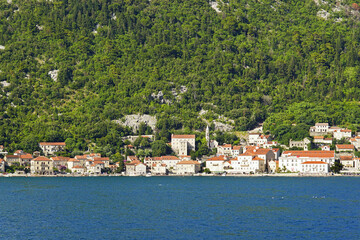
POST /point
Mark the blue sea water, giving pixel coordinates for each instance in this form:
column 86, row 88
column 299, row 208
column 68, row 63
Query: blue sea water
column 180, row 208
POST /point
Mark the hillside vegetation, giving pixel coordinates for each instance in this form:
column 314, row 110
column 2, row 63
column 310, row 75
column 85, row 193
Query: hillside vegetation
column 282, row 62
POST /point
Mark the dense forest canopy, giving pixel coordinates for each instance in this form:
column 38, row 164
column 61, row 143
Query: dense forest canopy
column 283, row 62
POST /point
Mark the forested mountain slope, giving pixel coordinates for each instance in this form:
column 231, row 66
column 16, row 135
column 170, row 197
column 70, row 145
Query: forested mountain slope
column 285, row 62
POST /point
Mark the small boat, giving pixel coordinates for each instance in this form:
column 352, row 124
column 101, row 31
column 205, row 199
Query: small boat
column 148, row 175
column 224, row 174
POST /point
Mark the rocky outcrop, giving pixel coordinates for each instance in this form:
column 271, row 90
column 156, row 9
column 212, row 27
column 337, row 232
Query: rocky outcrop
column 134, row 121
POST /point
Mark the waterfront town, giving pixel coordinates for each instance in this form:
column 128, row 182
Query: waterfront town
column 258, row 155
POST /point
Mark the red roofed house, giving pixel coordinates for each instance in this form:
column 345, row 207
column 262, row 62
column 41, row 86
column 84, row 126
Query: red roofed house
column 79, row 169
column 216, row 164
column 170, row 162
column 60, row 162
column 135, row 168
column 188, row 167
column 159, row 169
column 105, row 160
column 49, row 148
column 347, row 161
column 72, row 162
column 344, row 148
column 182, row 144
column 224, row 150
column 342, row 133
column 42, row 166
column 314, row 167
column 25, row 159
column 292, row 160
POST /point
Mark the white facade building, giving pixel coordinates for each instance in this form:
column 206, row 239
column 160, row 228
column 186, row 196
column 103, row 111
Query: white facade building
column 342, row 133
column 182, row 144
column 292, row 160
column 49, row 148
column 314, row 167
column 187, row 167
column 216, row 164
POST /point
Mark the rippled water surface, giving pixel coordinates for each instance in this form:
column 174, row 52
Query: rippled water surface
column 180, row 208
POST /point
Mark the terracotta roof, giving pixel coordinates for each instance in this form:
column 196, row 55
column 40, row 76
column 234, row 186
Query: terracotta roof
column 275, row 149
column 101, row 159
column 236, row 147
column 77, row 166
column 314, row 162
column 182, row 136
column 12, row 156
column 52, row 143
column 318, row 137
column 345, row 146
column 41, row 158
column 98, row 162
column 219, row 158
column 73, row 160
column 81, row 157
column 314, row 154
column 26, row 156
column 188, row 162
column 258, row 159
column 346, row 158
column 328, row 139
column 345, row 130
column 60, row 158
column 134, row 162
column 226, row 146
column 169, row 158
column 261, row 151
column 132, row 158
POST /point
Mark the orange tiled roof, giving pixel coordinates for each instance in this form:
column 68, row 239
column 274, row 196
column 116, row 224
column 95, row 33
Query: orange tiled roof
column 169, row 158
column 182, row 136
column 346, row 158
column 101, row 159
column 60, row 158
column 258, row 159
column 345, row 146
column 52, row 144
column 188, row 162
column 219, row 158
column 314, row 162
column 318, row 137
column 41, row 158
column 314, row 153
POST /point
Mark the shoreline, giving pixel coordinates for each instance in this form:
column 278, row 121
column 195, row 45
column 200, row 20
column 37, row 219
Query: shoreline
column 189, row 175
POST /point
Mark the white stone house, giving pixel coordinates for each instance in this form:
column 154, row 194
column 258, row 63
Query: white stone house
column 73, row 162
column 216, row 164
column 344, row 148
column 342, row 133
column 171, row 162
column 292, row 160
column 42, row 166
column 313, row 167
column 79, row 169
column 159, row 169
column 49, row 148
column 135, row 168
column 322, row 140
column 224, row 150
column 347, row 161
column 188, row 167
column 182, row 144
column 319, row 128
